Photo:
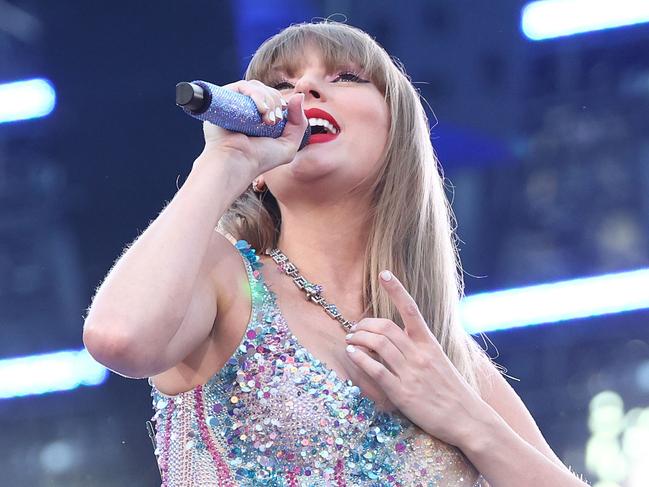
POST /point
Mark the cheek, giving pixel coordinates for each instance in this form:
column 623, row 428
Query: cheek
column 376, row 116
column 372, row 137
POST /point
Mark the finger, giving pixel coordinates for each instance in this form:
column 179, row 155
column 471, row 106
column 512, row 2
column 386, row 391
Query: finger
column 388, row 381
column 389, row 329
column 385, row 349
column 296, row 121
column 258, row 92
column 274, row 100
column 276, row 105
column 413, row 321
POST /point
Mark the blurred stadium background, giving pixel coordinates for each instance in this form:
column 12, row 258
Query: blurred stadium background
column 544, row 134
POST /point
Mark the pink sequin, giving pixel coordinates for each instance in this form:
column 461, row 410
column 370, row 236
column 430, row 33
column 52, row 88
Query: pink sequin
column 275, row 415
column 221, row 465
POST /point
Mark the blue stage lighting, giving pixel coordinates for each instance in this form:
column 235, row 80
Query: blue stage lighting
column 51, row 372
column 490, row 311
column 547, row 19
column 22, row 100
column 553, row 302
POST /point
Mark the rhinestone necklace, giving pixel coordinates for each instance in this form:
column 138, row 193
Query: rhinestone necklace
column 312, row 291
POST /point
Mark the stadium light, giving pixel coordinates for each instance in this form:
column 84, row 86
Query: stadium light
column 50, row 372
column 547, row 19
column 483, row 312
column 23, row 100
column 554, row 302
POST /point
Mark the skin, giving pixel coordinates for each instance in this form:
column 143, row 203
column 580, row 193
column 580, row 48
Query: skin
column 313, row 186
column 313, row 192
column 405, row 369
column 313, row 189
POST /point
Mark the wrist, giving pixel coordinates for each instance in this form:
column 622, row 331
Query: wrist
column 217, row 181
column 481, row 433
column 231, row 169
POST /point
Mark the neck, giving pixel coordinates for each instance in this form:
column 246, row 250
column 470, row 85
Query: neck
column 327, row 244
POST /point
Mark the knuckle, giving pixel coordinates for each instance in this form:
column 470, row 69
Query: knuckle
column 385, row 326
column 380, row 373
column 411, row 308
column 420, row 361
column 383, row 341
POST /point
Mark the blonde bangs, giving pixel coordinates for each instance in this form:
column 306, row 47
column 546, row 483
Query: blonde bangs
column 339, row 46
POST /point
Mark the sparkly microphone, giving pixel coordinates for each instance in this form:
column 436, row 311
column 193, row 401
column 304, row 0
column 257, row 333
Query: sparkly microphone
column 228, row 109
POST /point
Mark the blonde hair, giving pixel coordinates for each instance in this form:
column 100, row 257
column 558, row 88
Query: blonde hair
column 411, row 221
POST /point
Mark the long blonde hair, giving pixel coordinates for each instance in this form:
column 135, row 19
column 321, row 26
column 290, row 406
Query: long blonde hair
column 412, row 226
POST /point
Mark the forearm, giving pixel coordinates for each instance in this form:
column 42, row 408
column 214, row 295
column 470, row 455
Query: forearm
column 507, row 460
column 149, row 288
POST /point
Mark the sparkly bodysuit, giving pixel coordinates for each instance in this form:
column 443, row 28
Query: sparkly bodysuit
column 274, row 415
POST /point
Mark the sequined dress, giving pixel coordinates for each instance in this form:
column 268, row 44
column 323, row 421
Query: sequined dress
column 274, row 415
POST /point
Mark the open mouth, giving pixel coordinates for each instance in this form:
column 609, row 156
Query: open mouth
column 323, row 126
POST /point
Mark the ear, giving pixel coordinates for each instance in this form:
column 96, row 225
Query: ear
column 259, row 183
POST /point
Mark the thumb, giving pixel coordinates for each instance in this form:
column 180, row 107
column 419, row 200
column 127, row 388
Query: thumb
column 296, row 121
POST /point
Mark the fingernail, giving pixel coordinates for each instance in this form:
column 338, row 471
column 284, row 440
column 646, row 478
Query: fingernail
column 284, row 103
column 265, row 106
column 278, row 112
column 351, row 348
column 348, row 336
column 271, row 116
column 386, row 275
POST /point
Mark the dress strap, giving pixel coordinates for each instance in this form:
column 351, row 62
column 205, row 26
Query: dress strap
column 249, row 253
column 255, row 277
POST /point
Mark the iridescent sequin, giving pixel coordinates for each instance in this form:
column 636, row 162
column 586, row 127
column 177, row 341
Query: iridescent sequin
column 274, row 415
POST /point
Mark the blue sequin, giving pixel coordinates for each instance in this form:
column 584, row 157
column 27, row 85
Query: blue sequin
column 275, row 413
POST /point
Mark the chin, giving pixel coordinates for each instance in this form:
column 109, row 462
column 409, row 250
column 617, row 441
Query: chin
column 307, row 169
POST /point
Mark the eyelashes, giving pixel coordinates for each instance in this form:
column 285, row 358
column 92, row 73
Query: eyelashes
column 351, row 77
column 282, row 84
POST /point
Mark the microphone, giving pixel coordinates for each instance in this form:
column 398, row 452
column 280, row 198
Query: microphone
column 228, row 109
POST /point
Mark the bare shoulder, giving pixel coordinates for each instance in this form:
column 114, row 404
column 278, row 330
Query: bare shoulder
column 501, row 396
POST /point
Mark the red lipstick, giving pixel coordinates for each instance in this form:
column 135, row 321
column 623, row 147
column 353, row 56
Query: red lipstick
column 322, row 137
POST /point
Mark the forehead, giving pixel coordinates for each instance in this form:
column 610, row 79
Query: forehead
column 294, row 69
column 312, row 55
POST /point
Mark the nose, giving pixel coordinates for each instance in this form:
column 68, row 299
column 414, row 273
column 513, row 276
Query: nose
column 309, row 86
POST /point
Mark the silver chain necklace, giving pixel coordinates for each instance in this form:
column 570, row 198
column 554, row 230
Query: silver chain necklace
column 313, row 291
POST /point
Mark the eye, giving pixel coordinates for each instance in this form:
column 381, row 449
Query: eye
column 349, row 76
column 281, row 85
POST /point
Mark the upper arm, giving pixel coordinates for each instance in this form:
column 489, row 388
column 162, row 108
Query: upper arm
column 497, row 392
column 208, row 297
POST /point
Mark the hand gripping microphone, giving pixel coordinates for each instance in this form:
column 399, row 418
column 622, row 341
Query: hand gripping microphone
column 228, row 109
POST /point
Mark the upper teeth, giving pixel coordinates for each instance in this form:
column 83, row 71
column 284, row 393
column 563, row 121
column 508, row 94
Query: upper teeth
column 325, row 123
